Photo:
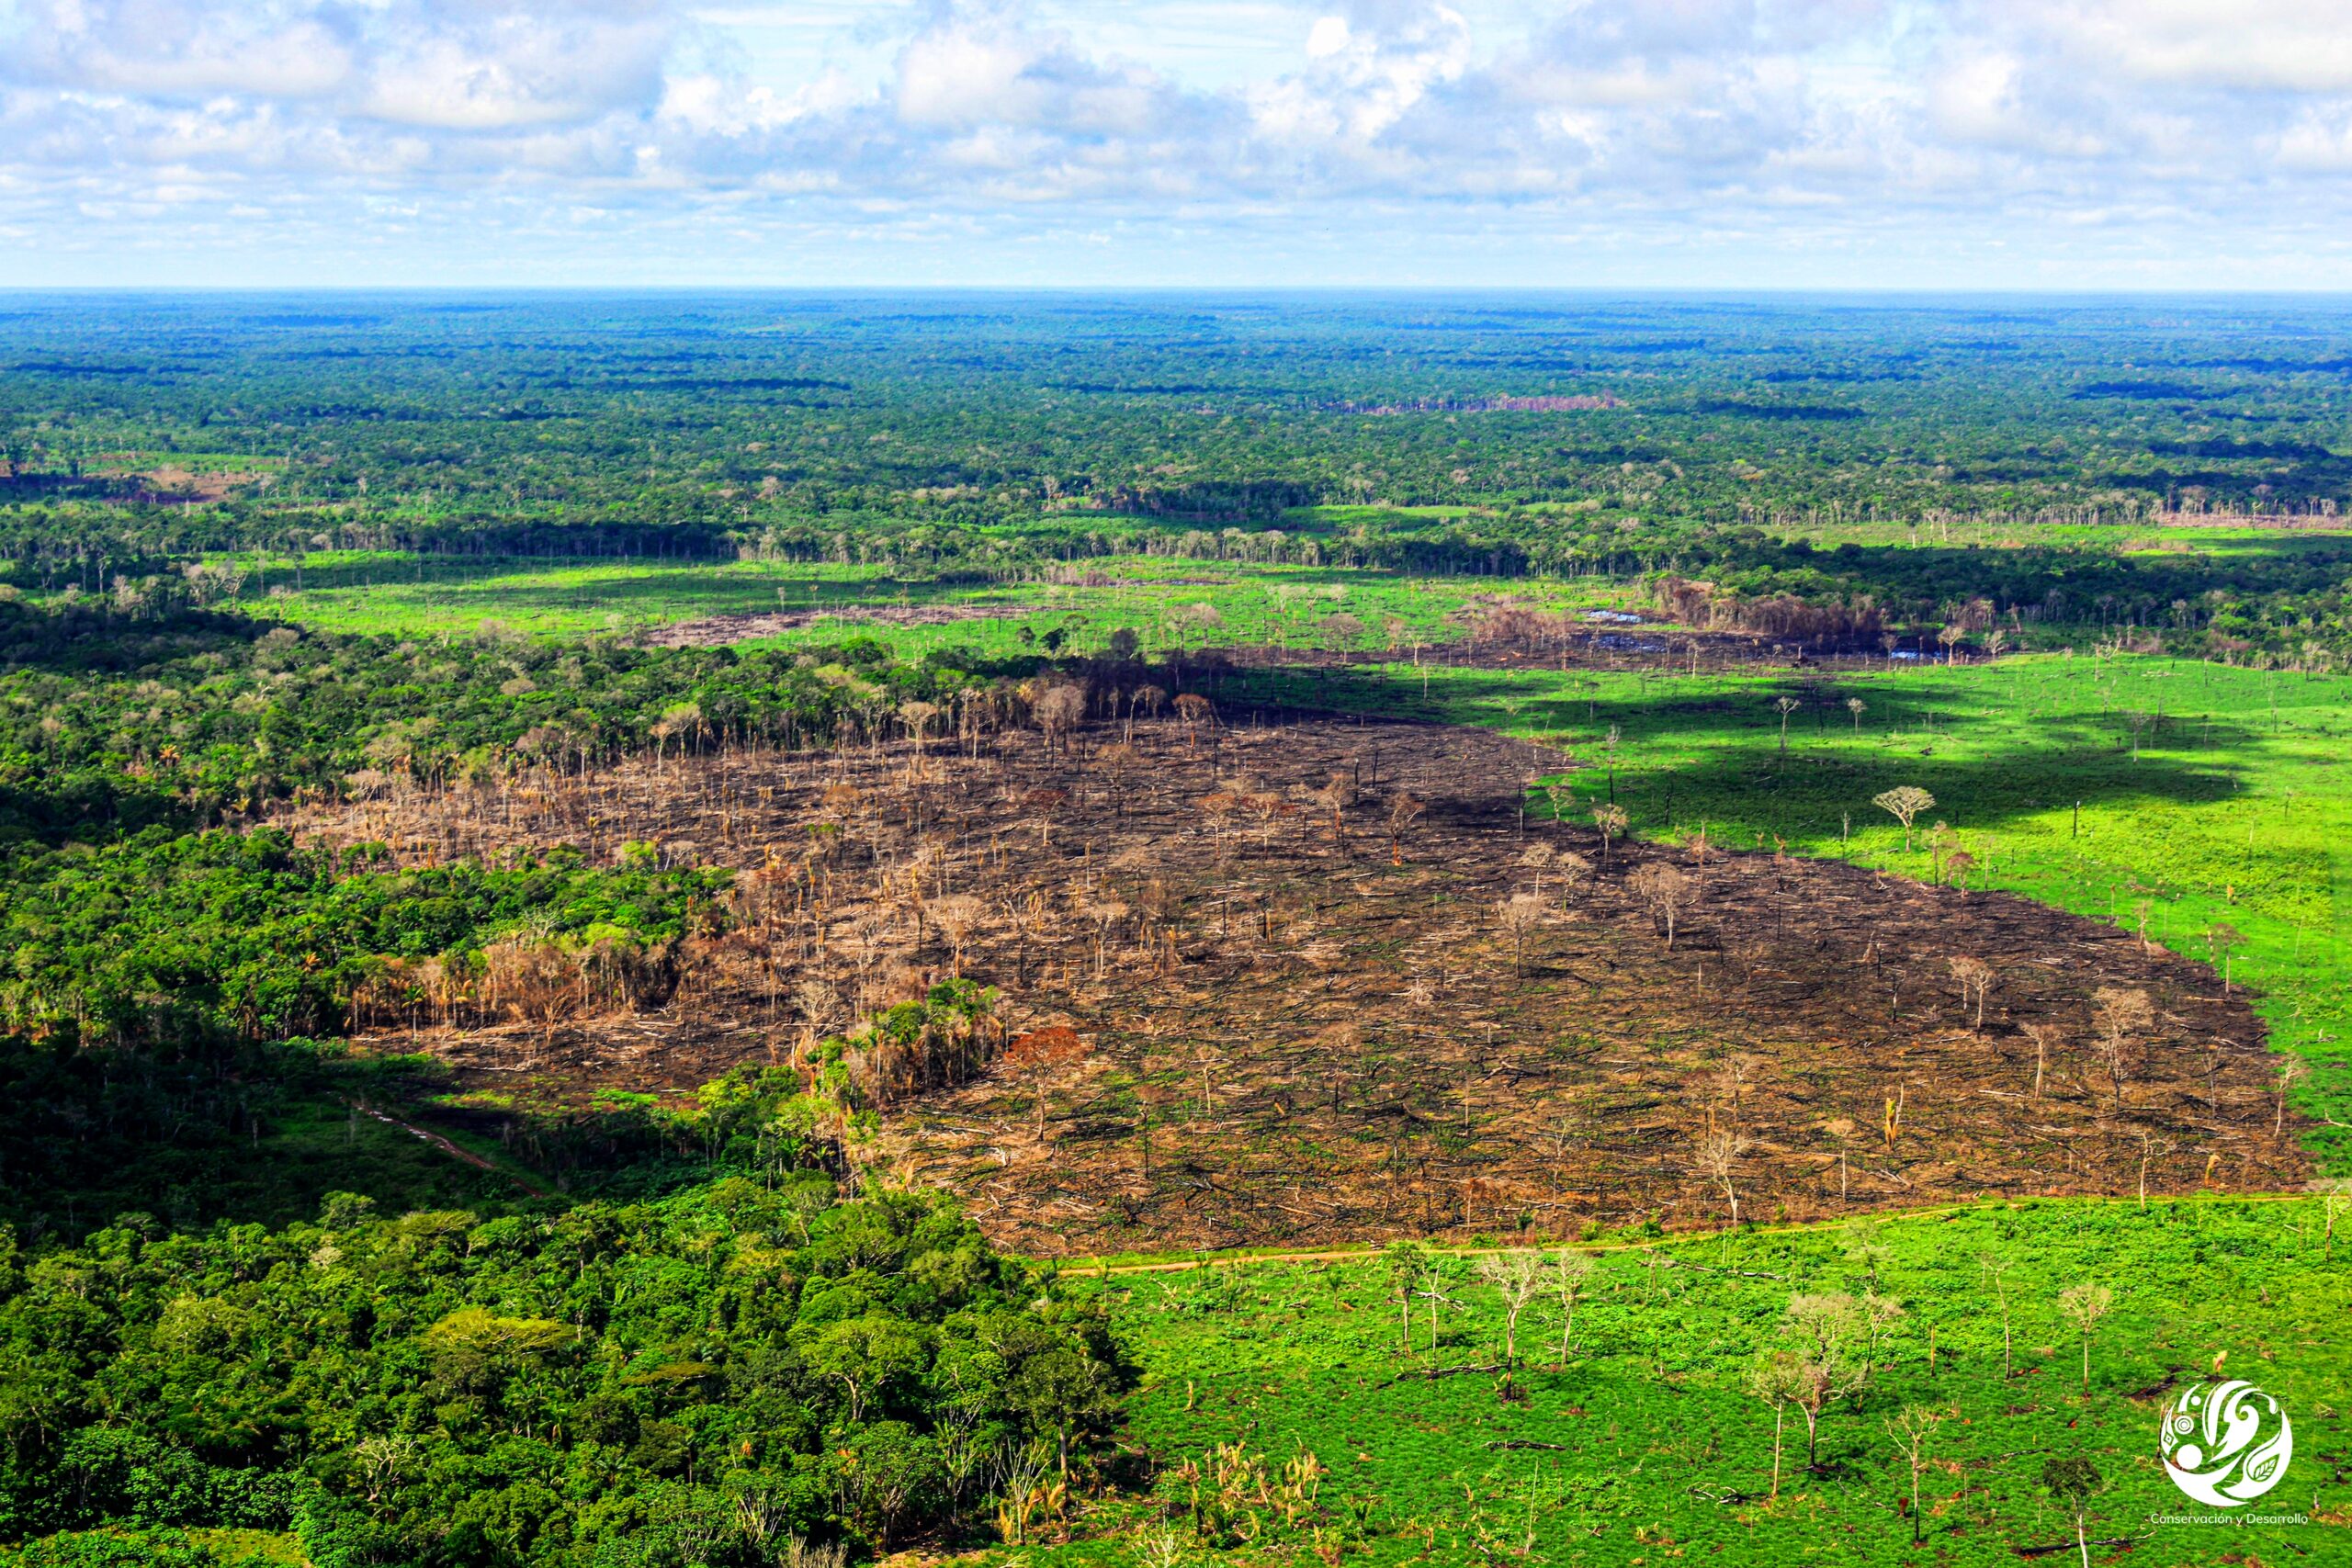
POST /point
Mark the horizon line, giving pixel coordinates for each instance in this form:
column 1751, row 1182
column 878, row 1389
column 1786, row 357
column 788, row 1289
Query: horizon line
column 2108, row 291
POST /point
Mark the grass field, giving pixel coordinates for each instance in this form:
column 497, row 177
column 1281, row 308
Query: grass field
column 2231, row 813
column 1642, row 1446
column 1161, row 599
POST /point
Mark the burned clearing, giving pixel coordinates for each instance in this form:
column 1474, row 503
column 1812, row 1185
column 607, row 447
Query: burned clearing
column 1288, row 977
column 1498, row 632
column 714, row 631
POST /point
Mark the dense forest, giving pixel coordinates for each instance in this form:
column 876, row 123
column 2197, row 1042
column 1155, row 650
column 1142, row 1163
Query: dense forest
column 704, row 1378
column 613, row 415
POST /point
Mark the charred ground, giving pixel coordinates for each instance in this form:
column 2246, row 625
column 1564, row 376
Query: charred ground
column 1247, row 998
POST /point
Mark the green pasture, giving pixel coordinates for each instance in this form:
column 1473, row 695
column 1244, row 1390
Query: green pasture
column 405, row 593
column 1168, row 602
column 1642, row 1445
column 2216, row 797
column 2236, row 542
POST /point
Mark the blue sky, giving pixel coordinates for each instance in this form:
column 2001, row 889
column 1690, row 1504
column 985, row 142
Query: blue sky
column 2173, row 144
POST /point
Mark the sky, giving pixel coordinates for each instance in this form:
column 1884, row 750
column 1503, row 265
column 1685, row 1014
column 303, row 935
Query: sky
column 2032, row 144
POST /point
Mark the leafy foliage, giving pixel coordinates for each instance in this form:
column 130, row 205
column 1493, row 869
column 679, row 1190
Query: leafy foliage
column 697, row 1378
column 156, row 938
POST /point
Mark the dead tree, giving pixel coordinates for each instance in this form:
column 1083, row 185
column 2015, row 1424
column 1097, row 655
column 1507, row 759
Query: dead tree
column 1515, row 1275
column 1665, row 890
column 2292, row 1070
column 1338, row 794
column 1715, row 1156
column 1975, row 977
column 1571, row 871
column 958, row 916
column 1571, row 1272
column 1196, row 710
column 1941, row 841
column 1911, row 1429
column 1117, row 762
column 2122, row 1012
column 1610, row 820
column 1823, row 1329
column 1060, row 710
column 1904, row 803
column 2044, row 1035
column 2083, row 1305
column 2151, row 1149
column 1402, row 813
column 1780, row 1380
column 1407, row 1261
column 1518, row 915
column 1995, row 1265
column 918, row 716
column 2224, row 940
column 1220, row 808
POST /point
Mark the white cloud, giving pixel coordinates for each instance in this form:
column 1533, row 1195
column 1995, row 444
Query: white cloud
column 2317, row 145
column 169, row 47
column 963, row 75
column 1987, row 99
column 1326, row 38
column 967, row 71
column 1365, row 123
column 490, row 67
column 2298, row 45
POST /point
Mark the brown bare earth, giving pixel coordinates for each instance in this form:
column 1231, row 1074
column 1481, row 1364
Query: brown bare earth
column 1499, row 632
column 171, row 484
column 1230, row 1016
column 713, row 631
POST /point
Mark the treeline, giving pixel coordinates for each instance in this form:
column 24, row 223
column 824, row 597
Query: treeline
column 113, row 720
column 1833, row 624
column 112, row 717
column 157, row 938
column 2284, row 606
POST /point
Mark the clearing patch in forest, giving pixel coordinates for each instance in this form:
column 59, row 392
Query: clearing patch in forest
column 713, row 631
column 1238, row 1008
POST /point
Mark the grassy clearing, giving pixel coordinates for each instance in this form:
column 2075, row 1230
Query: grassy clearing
column 2232, row 811
column 1642, row 1444
column 1162, row 600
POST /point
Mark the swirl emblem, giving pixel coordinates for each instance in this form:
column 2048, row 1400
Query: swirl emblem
column 2225, row 1444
